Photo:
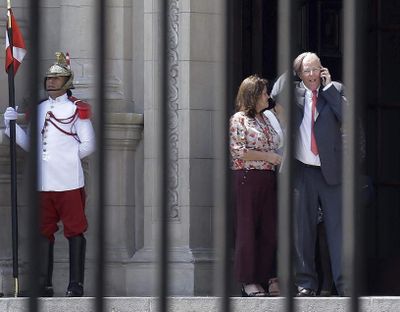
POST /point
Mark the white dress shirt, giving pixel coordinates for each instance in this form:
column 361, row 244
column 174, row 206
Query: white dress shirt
column 303, row 150
column 60, row 154
column 277, row 127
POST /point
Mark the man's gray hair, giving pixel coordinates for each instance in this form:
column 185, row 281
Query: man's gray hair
column 298, row 61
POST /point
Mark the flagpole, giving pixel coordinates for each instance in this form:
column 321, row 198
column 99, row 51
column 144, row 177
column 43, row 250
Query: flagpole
column 13, row 157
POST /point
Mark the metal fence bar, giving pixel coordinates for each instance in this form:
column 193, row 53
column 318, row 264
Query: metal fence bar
column 164, row 156
column 286, row 39
column 226, row 205
column 100, row 27
column 352, row 68
column 222, row 186
column 33, row 198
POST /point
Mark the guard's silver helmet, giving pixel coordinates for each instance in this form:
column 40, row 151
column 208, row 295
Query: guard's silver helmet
column 61, row 68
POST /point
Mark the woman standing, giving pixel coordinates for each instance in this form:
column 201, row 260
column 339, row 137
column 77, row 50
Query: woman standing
column 253, row 145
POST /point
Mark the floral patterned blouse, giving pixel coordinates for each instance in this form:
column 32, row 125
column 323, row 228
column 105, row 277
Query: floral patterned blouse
column 248, row 133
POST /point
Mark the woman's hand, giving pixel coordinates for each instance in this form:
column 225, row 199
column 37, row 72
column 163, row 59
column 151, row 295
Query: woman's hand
column 273, row 158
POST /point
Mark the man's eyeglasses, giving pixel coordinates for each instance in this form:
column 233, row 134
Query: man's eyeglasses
column 308, row 71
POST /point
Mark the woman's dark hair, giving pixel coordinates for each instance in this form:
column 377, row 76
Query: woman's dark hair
column 249, row 92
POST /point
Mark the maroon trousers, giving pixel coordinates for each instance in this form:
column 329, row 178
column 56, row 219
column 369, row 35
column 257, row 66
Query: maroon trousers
column 67, row 206
column 255, row 225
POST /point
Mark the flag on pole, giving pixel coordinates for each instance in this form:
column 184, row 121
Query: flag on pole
column 15, row 48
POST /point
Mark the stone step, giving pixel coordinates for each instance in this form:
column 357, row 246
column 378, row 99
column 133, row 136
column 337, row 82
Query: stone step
column 201, row 304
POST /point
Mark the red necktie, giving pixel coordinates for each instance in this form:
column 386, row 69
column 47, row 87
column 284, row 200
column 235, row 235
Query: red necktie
column 314, row 147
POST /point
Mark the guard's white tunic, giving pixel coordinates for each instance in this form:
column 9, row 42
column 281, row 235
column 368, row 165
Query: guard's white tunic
column 60, row 154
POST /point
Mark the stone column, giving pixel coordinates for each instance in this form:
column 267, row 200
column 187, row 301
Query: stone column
column 123, row 134
column 195, row 46
column 202, row 94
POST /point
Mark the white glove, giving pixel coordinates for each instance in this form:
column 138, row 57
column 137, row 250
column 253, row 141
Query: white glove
column 10, row 114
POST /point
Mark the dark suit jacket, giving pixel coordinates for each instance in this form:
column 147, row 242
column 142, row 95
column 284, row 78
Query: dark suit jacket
column 327, row 127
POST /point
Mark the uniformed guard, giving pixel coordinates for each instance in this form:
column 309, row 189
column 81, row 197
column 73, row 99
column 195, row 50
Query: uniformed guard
column 65, row 137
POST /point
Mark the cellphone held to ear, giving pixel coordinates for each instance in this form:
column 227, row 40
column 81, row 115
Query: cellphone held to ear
column 323, row 78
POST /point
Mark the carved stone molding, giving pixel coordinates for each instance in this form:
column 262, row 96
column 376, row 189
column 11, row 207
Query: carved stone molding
column 173, row 104
column 123, row 130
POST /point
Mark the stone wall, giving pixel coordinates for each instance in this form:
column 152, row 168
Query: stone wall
column 132, row 91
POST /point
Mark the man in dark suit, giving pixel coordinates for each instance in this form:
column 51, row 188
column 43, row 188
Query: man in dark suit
column 318, row 153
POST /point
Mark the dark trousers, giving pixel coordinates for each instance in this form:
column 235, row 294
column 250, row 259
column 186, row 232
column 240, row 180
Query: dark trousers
column 311, row 190
column 255, row 225
column 323, row 263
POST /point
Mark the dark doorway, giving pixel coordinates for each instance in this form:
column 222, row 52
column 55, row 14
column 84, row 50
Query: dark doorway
column 320, row 30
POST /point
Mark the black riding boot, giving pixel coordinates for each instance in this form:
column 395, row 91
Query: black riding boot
column 46, row 268
column 77, row 247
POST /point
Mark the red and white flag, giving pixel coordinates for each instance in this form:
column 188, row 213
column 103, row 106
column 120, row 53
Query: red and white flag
column 16, row 55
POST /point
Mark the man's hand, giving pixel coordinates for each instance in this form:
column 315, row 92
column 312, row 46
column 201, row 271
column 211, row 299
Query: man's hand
column 325, row 76
column 10, row 114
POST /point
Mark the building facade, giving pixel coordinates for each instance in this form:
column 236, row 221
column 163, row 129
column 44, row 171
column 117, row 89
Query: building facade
column 196, row 49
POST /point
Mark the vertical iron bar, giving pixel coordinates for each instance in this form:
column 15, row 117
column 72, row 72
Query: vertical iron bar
column 226, row 206
column 352, row 68
column 33, row 198
column 286, row 39
column 222, row 208
column 101, row 161
column 379, row 92
column 164, row 154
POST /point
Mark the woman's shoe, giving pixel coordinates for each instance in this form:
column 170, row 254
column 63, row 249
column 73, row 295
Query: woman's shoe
column 253, row 290
column 305, row 292
column 273, row 287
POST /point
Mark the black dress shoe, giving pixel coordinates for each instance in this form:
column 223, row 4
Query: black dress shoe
column 74, row 290
column 47, row 291
column 305, row 292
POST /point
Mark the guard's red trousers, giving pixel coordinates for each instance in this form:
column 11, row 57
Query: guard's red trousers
column 68, row 207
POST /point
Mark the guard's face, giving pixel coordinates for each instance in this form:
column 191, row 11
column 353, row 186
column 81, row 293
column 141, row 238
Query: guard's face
column 54, row 86
column 311, row 72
